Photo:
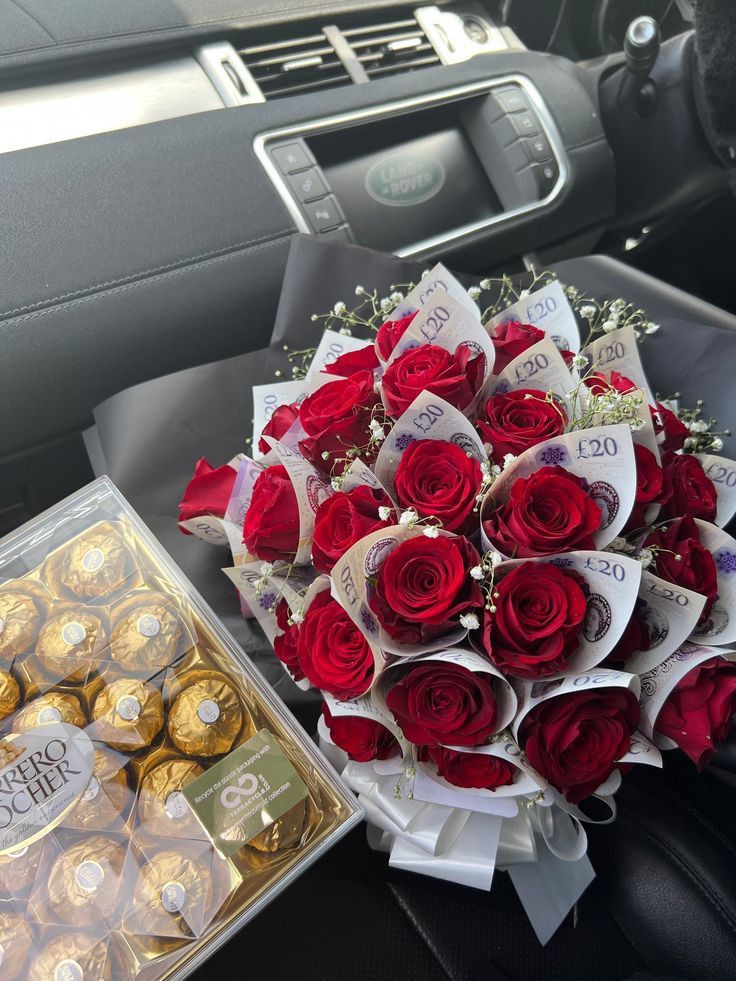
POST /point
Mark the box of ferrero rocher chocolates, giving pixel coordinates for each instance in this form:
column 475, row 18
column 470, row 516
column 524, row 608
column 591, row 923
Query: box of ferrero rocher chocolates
column 154, row 791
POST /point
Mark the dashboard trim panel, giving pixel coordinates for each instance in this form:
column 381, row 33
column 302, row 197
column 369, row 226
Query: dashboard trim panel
column 440, row 97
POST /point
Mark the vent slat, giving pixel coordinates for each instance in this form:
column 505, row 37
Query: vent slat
column 386, row 39
column 396, row 25
column 404, row 66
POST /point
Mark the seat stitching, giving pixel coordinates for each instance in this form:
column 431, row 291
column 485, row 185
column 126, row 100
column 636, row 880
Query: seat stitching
column 238, row 246
column 35, row 20
column 141, row 282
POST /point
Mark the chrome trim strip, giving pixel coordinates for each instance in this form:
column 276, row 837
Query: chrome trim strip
column 328, row 123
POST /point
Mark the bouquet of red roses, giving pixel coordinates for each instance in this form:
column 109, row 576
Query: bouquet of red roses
column 468, row 521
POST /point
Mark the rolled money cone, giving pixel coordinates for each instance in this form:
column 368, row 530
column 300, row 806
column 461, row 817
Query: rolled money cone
column 720, row 627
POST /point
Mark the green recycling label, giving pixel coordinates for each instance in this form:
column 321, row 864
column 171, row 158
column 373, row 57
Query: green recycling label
column 245, row 792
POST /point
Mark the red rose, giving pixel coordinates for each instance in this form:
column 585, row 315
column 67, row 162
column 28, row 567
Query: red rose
column 453, row 377
column 365, row 359
column 437, row 702
column 285, row 643
column 390, row 333
column 574, row 740
column 568, row 357
column 689, row 489
column 282, row 419
column 697, row 714
column 600, row 383
column 342, row 520
column 208, row 492
column 333, row 653
column 271, row 527
column 649, row 487
column 540, row 610
column 518, row 420
column 336, row 419
column 681, row 559
column 438, row 479
column 673, row 433
column 512, row 339
column 424, row 586
column 362, row 739
column 469, row 769
column 547, row 512
column 634, row 638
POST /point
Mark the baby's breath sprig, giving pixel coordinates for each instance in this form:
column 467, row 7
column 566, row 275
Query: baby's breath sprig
column 299, row 362
column 507, row 293
column 703, row 438
column 269, row 587
column 489, row 473
column 603, row 317
column 378, row 426
column 406, row 779
column 367, row 315
column 485, row 574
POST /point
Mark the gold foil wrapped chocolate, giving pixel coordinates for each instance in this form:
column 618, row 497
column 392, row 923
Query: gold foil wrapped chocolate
column 108, row 795
column 51, row 707
column 9, row 694
column 69, row 643
column 128, row 714
column 18, row 870
column 96, row 565
column 16, row 946
column 84, row 883
column 22, row 607
column 146, row 632
column 173, row 894
column 162, row 807
column 72, row 957
column 206, row 717
column 285, row 832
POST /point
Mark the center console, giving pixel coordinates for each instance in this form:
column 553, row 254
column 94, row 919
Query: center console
column 411, row 176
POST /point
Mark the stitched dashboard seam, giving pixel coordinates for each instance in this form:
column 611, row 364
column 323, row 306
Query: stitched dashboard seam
column 131, row 277
column 141, row 282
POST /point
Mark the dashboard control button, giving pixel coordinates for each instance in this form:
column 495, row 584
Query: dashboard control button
column 511, row 99
column 525, row 123
column 341, row 234
column 537, row 148
column 308, row 185
column 324, row 214
column 292, row 157
column 546, row 175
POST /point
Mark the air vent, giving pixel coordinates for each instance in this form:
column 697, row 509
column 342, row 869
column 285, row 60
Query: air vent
column 305, row 64
column 391, row 48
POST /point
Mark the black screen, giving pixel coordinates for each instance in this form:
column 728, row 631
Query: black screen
column 405, row 179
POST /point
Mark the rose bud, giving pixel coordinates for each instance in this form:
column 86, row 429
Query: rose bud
column 362, row 739
column 574, row 740
column 440, row 702
column 634, row 638
column 365, row 359
column 540, row 610
column 336, row 419
column 282, row 419
column 469, row 769
column 671, row 432
column 208, row 492
column 697, row 714
column 649, row 487
column 271, row 527
column 681, row 559
column 333, row 653
column 513, row 422
column 689, row 489
column 390, row 333
column 453, row 377
column 512, row 339
column 438, row 479
column 549, row 511
column 600, row 383
column 424, row 587
column 285, row 643
column 343, row 519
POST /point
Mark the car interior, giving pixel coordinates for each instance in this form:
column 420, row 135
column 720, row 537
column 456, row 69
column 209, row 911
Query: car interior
column 156, row 161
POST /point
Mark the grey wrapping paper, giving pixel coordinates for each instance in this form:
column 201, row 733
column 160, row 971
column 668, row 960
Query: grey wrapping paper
column 149, row 437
